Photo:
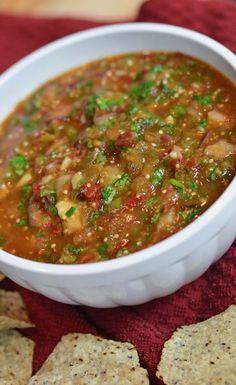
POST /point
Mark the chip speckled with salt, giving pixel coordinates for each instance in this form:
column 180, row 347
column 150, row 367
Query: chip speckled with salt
column 83, row 359
column 201, row 354
column 16, row 355
column 13, row 313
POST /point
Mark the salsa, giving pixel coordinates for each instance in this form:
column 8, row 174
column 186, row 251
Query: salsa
column 114, row 156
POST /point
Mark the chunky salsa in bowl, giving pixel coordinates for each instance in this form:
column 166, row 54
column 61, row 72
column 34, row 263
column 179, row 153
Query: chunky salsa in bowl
column 115, row 156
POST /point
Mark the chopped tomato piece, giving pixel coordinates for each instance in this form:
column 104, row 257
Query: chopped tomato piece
column 134, row 200
column 125, row 140
column 92, row 192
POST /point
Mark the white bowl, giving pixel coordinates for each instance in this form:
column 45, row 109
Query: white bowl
column 158, row 270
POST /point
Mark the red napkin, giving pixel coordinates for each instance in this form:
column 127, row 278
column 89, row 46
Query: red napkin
column 216, row 18
column 147, row 326
column 22, row 35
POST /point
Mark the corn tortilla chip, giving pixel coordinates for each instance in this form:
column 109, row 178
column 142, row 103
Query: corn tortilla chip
column 2, row 277
column 13, row 313
column 201, row 354
column 83, row 359
column 16, row 355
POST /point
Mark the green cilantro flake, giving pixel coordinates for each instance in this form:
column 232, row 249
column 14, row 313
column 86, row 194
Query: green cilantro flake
column 25, row 195
column 20, row 223
column 157, row 69
column 166, row 91
column 84, row 84
column 34, row 103
column 138, row 75
column 28, row 124
column 178, row 111
column 70, row 212
column 194, row 186
column 214, row 174
column 19, row 164
column 162, row 56
column 156, row 217
column 189, row 214
column 158, row 176
column 111, row 147
column 101, row 158
column 53, row 210
column 40, row 234
column 104, row 104
column 2, row 240
column 94, row 216
column 108, row 194
column 14, row 120
column 89, row 143
column 152, row 201
column 70, row 253
column 104, row 127
column 203, row 100
column 142, row 90
column 141, row 124
column 177, row 183
column 26, row 191
column 203, row 123
column 123, row 181
column 22, row 207
column 91, row 106
column 102, row 250
column 73, row 249
column 133, row 108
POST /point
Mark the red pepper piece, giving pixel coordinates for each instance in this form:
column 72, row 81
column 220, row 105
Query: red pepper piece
column 119, row 246
column 36, row 188
column 92, row 192
column 134, row 200
column 125, row 140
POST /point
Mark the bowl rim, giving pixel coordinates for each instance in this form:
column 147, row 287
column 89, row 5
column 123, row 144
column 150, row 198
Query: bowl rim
column 183, row 236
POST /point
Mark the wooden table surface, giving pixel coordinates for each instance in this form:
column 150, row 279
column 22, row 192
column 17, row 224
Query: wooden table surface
column 92, row 9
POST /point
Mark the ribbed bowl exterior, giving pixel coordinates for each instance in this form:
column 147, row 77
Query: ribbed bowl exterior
column 158, row 283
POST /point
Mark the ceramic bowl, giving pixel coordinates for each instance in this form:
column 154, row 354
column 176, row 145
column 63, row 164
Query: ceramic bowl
column 160, row 269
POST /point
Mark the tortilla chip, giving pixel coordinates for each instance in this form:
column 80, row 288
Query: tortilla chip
column 203, row 353
column 80, row 359
column 13, row 313
column 16, row 356
column 2, row 277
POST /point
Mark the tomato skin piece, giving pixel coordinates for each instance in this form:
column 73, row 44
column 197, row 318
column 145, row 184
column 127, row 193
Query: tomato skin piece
column 194, row 166
column 192, row 163
column 166, row 138
column 124, row 242
column 134, row 200
column 81, row 150
column 125, row 140
column 72, row 156
column 36, row 188
column 92, row 192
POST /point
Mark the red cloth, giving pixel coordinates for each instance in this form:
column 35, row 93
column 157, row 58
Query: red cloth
column 149, row 325
column 215, row 18
column 22, row 35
